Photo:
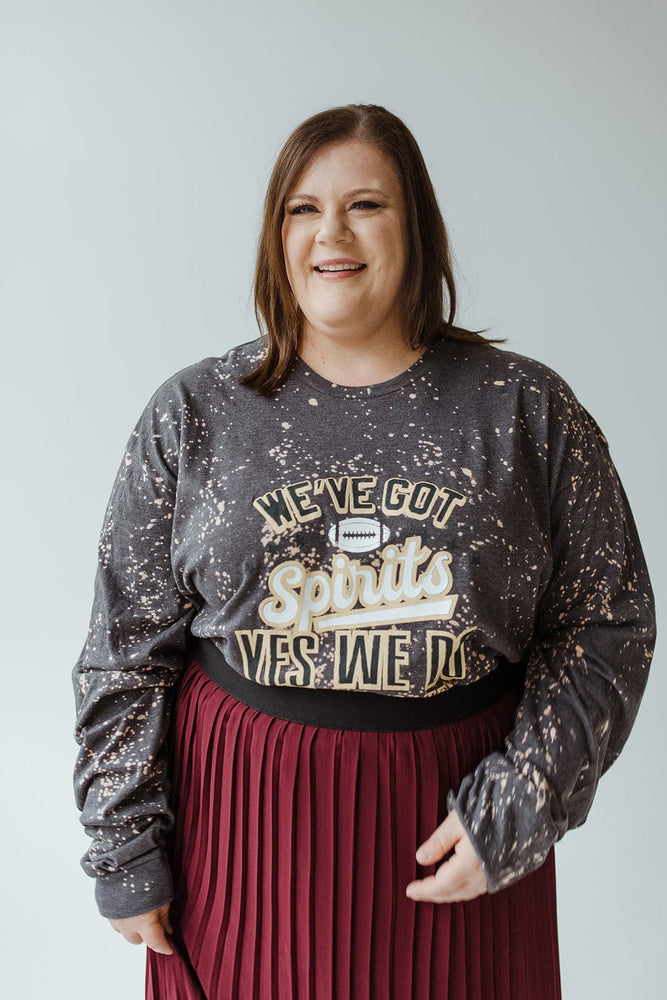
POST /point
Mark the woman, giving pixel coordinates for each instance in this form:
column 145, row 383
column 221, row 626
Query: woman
column 391, row 574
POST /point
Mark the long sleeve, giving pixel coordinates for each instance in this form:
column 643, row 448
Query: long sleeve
column 586, row 671
column 125, row 675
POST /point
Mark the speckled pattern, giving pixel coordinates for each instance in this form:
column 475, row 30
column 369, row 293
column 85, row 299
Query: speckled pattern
column 398, row 538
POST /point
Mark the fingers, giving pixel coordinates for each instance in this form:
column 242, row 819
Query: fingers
column 441, row 841
column 166, row 922
column 150, row 928
column 130, row 936
column 460, row 877
column 156, row 939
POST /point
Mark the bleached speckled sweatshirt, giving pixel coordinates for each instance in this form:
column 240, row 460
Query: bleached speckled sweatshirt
column 398, row 538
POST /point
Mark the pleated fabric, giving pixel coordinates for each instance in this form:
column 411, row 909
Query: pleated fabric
column 291, row 852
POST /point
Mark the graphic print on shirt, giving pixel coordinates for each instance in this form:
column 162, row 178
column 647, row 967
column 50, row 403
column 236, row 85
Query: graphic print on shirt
column 362, row 601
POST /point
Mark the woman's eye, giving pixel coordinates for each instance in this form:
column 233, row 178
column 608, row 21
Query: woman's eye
column 301, row 209
column 365, row 204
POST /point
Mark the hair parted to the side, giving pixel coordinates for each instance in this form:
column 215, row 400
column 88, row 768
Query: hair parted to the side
column 429, row 277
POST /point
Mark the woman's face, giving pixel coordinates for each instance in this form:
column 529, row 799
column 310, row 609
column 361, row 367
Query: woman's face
column 345, row 244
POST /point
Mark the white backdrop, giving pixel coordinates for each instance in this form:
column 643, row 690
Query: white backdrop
column 136, row 141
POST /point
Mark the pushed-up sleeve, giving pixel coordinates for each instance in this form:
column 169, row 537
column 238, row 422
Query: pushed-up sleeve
column 587, row 668
column 126, row 672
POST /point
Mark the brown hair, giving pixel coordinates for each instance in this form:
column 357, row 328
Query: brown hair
column 429, row 269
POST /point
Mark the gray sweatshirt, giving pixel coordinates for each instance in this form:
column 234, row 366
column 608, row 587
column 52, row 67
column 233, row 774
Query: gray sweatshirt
column 397, row 538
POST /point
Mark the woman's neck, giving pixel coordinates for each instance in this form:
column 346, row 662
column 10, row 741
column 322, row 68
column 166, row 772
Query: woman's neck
column 356, row 363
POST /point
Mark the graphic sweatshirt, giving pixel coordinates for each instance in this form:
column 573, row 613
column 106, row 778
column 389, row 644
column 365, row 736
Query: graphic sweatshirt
column 398, row 538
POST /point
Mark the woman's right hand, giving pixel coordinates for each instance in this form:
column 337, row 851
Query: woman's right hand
column 152, row 928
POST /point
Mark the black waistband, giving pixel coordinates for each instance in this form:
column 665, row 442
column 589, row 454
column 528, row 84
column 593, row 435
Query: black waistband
column 359, row 710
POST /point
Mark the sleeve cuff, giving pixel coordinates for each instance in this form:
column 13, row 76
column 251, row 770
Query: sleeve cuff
column 130, row 891
column 507, row 820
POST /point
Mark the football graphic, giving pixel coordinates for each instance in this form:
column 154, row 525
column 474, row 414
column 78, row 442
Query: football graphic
column 358, row 534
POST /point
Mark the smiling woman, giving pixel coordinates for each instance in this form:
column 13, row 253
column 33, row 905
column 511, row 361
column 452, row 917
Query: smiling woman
column 428, row 297
column 345, row 245
column 371, row 619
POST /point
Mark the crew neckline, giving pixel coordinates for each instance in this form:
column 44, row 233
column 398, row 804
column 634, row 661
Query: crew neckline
column 416, row 370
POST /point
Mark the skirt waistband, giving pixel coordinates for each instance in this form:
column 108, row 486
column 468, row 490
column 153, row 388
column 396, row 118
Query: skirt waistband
column 363, row 711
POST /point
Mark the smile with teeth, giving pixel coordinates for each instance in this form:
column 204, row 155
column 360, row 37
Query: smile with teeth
column 339, row 267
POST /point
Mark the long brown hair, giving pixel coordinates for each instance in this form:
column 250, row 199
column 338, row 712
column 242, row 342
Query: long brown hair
column 429, row 269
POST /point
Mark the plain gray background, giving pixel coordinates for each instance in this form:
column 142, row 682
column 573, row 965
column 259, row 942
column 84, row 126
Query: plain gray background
column 136, row 140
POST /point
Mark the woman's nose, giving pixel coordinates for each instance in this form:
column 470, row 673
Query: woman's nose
column 333, row 229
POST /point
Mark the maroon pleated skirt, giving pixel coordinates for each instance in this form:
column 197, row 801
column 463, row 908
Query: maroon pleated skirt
column 292, row 848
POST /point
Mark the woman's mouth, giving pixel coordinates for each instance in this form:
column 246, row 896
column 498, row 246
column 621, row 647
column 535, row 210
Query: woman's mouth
column 339, row 267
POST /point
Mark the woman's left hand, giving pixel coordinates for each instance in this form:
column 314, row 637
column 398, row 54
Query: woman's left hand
column 460, row 877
